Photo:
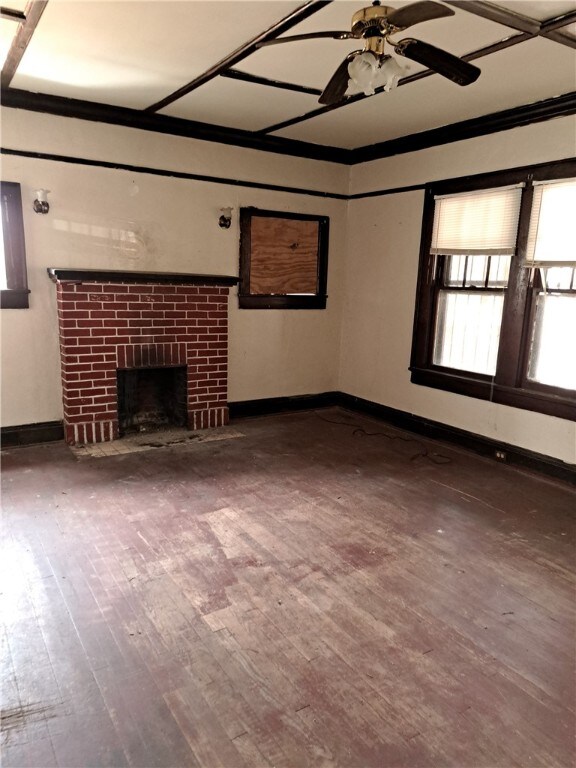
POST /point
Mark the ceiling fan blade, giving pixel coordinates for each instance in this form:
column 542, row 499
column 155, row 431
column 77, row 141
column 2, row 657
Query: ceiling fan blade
column 417, row 12
column 446, row 64
column 309, row 36
column 338, row 85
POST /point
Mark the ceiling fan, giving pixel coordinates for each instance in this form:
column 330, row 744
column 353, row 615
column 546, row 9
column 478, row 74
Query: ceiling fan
column 370, row 67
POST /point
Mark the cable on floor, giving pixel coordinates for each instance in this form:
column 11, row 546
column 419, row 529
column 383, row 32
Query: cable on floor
column 423, row 453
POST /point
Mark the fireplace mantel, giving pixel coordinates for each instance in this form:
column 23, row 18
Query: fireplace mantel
column 66, row 274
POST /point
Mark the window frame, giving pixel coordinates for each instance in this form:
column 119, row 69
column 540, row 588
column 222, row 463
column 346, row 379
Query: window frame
column 510, row 384
column 17, row 293
column 247, row 300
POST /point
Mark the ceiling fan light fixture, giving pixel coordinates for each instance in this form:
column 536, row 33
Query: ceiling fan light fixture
column 362, row 71
column 368, row 71
column 389, row 73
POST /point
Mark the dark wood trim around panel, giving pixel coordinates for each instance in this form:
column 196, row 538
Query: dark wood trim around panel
column 175, row 126
column 32, row 14
column 247, row 300
column 293, row 18
column 246, row 77
column 66, row 274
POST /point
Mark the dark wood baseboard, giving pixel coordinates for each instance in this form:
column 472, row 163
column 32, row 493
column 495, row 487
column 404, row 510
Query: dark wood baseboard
column 484, row 446
column 29, row 434
column 269, row 405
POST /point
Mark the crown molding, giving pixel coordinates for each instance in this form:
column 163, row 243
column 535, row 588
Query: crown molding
column 540, row 111
column 176, row 126
column 547, row 109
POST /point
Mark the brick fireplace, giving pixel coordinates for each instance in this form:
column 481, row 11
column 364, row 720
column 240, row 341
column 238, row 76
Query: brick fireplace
column 113, row 321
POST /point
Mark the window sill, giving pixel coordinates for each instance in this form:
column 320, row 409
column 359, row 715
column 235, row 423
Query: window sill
column 282, row 302
column 530, row 400
column 14, row 299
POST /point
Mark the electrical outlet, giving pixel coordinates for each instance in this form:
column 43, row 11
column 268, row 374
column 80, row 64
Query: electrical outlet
column 500, row 455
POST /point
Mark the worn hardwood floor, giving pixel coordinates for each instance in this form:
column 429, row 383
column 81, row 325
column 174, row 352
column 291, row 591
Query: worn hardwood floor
column 301, row 596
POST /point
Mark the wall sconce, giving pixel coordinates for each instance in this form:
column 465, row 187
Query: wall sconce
column 225, row 218
column 41, row 204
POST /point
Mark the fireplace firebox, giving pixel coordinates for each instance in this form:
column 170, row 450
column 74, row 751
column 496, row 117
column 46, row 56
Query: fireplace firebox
column 141, row 348
column 151, row 398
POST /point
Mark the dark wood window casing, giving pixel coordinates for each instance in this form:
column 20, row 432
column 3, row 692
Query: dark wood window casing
column 283, row 260
column 15, row 295
column 510, row 385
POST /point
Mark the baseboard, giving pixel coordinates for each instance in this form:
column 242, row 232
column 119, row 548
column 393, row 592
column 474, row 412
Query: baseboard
column 484, row 446
column 270, row 405
column 29, row 434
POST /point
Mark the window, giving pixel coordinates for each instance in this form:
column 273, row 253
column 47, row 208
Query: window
column 13, row 284
column 496, row 303
column 283, row 260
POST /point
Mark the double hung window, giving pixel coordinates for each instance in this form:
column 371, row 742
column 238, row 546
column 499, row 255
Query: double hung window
column 13, row 282
column 496, row 303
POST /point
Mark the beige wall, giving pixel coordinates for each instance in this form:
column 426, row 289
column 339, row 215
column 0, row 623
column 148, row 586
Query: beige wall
column 380, row 286
column 117, row 219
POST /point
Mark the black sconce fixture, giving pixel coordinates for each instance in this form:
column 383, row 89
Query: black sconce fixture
column 225, row 218
column 41, row 204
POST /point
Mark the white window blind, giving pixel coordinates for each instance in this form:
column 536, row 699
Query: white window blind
column 551, row 237
column 477, row 223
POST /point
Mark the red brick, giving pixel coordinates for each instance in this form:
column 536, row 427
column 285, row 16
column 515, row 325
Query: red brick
column 102, row 313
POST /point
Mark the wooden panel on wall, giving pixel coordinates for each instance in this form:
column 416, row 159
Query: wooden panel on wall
column 284, row 257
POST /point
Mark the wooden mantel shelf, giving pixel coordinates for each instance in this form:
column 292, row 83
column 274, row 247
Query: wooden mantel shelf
column 65, row 274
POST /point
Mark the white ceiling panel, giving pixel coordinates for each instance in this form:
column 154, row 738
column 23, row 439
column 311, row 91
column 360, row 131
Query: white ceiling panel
column 512, row 77
column 16, row 5
column 238, row 104
column 312, row 62
column 134, row 53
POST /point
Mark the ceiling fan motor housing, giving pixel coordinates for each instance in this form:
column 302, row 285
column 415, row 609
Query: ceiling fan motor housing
column 371, row 21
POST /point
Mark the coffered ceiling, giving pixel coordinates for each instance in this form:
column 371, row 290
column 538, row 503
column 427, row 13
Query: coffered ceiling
column 193, row 67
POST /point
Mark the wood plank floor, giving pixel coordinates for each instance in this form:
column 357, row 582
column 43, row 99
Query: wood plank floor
column 305, row 595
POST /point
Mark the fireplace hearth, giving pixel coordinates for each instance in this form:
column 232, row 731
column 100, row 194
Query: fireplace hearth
column 158, row 339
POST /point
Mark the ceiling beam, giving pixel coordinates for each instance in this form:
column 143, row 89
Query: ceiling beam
column 236, row 74
column 300, row 14
column 165, row 124
column 551, row 29
column 540, row 111
column 32, row 14
column 11, row 14
column 497, row 14
column 554, row 29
